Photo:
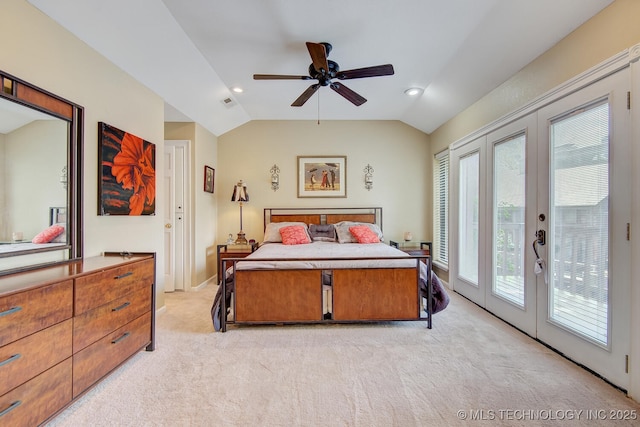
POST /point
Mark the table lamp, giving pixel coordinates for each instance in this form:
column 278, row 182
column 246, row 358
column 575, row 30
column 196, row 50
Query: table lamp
column 240, row 195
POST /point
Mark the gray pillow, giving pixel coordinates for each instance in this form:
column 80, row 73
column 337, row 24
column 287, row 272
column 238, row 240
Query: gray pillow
column 322, row 233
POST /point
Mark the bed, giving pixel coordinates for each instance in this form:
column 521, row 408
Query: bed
column 323, row 265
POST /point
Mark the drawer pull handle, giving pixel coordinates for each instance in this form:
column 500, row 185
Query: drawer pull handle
column 11, row 407
column 117, row 340
column 120, row 307
column 122, row 276
column 10, row 311
column 11, row 359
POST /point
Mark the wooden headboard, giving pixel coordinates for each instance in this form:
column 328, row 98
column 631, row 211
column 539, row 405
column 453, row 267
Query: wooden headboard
column 323, row 215
column 306, row 218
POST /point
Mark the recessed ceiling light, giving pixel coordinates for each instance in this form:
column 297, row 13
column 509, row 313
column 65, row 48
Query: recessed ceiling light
column 413, row 91
column 237, row 89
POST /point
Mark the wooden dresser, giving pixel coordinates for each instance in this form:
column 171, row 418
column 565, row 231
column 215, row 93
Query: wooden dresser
column 64, row 328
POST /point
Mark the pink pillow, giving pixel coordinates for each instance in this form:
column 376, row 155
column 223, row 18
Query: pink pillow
column 48, row 234
column 294, row 235
column 364, row 234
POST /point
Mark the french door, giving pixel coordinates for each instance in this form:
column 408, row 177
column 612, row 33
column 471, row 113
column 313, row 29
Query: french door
column 585, row 169
column 540, row 225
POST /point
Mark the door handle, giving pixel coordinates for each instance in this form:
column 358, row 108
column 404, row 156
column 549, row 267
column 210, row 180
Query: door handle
column 541, row 239
column 167, row 225
column 539, row 267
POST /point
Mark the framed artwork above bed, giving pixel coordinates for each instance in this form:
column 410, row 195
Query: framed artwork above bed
column 322, row 176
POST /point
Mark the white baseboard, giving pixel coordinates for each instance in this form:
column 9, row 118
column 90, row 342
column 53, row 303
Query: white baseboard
column 210, row 281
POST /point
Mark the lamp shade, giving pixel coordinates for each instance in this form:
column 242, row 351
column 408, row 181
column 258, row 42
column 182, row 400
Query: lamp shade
column 240, row 193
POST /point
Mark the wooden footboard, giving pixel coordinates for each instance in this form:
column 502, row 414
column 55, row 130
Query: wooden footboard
column 376, row 294
column 273, row 296
column 296, row 296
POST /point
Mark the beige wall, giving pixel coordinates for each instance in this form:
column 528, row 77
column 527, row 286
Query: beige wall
column 38, row 146
column 611, row 31
column 398, row 153
column 38, row 50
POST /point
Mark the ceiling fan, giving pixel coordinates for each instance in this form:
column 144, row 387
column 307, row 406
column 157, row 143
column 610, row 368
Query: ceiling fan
column 325, row 71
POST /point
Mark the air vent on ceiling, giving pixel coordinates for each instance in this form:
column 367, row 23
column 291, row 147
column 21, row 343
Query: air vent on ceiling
column 228, row 102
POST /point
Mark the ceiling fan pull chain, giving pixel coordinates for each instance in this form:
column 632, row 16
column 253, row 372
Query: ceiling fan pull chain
column 318, row 107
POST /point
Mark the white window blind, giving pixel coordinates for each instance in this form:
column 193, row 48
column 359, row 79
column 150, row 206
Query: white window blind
column 579, row 238
column 441, row 208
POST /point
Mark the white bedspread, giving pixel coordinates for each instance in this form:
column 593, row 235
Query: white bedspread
column 23, row 246
column 326, row 255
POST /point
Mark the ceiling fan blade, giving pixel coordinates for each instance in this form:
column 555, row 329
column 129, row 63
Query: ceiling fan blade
column 305, row 95
column 318, row 54
column 279, row 77
column 358, row 73
column 349, row 95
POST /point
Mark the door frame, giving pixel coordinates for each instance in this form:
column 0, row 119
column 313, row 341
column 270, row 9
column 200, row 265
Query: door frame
column 634, row 380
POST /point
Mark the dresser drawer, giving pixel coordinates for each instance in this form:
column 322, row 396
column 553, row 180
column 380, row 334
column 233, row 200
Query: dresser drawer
column 29, row 356
column 24, row 313
column 38, row 399
column 99, row 288
column 100, row 358
column 92, row 325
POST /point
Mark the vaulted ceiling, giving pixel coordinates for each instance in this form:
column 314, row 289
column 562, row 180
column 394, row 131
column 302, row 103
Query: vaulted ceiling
column 192, row 53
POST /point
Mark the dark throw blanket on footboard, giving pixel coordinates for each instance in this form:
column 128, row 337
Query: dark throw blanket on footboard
column 439, row 293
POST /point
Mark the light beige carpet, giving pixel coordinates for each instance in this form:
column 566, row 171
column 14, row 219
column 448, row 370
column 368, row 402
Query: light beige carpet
column 471, row 369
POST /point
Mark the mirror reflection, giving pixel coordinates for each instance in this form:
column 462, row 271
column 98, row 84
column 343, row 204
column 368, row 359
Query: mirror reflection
column 33, row 191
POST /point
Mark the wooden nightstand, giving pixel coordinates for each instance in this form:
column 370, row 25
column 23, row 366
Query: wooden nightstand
column 413, row 247
column 233, row 251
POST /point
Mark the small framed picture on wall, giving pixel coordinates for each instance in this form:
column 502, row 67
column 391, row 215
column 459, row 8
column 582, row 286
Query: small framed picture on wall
column 209, row 178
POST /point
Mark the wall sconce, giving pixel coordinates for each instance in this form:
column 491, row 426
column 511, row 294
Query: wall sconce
column 368, row 177
column 63, row 177
column 275, row 177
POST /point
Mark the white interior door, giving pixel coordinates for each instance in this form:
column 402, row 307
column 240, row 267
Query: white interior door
column 584, row 172
column 169, row 219
column 177, row 225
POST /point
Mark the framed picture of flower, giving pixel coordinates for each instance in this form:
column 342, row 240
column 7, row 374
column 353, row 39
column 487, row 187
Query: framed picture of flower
column 127, row 173
column 322, row 176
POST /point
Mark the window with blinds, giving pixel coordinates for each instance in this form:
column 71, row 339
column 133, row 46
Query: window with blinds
column 441, row 208
column 579, row 238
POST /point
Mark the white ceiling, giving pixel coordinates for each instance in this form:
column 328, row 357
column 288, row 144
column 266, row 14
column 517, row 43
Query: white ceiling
column 193, row 52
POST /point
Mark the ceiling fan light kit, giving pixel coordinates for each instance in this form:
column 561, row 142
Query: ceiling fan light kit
column 324, row 71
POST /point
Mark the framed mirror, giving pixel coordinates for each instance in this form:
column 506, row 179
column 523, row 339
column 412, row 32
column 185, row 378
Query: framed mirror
column 40, row 170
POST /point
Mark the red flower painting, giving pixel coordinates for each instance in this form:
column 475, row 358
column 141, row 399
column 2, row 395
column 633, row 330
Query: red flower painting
column 128, row 173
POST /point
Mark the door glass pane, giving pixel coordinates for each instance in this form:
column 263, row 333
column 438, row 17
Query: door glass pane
column 468, row 220
column 579, row 233
column 508, row 219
